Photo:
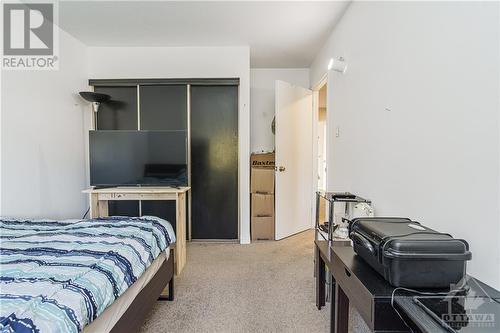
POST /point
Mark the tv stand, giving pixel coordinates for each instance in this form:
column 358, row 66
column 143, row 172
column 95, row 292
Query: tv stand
column 99, row 198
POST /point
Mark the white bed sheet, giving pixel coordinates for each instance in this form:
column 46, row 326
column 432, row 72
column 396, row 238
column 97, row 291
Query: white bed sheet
column 106, row 320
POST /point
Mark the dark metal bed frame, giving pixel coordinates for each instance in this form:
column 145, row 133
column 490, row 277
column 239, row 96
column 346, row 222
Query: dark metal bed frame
column 140, row 307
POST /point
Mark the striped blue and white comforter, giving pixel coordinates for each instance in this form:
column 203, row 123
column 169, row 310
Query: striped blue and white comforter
column 58, row 276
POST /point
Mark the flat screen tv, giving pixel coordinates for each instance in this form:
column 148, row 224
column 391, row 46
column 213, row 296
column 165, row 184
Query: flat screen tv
column 149, row 158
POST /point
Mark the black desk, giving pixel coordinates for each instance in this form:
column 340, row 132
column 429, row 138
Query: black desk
column 355, row 282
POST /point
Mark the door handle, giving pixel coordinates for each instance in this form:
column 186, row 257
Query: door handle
column 281, row 169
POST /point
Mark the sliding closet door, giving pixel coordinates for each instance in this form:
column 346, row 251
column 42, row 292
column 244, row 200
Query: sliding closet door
column 162, row 108
column 120, row 113
column 214, row 162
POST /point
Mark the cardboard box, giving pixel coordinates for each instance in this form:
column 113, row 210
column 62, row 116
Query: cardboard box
column 262, row 188
column 262, row 180
column 262, row 228
column 262, row 160
column 262, row 205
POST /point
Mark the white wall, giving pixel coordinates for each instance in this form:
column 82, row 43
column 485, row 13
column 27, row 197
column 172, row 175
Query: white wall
column 435, row 156
column 42, row 137
column 188, row 62
column 262, row 101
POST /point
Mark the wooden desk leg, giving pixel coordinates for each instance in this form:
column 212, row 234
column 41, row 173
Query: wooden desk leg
column 320, row 279
column 180, row 228
column 103, row 208
column 341, row 311
column 94, row 206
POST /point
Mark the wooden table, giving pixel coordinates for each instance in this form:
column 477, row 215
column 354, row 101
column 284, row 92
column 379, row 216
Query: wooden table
column 356, row 282
column 99, row 197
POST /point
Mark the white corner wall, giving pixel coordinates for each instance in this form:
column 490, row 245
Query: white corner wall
column 418, row 113
column 42, row 138
column 262, row 85
column 188, row 62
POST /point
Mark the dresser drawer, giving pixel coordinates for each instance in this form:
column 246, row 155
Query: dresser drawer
column 358, row 295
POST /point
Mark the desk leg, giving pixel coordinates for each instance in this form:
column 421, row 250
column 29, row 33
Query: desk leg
column 94, row 205
column 332, row 305
column 320, row 279
column 103, row 208
column 98, row 208
column 341, row 311
column 180, row 228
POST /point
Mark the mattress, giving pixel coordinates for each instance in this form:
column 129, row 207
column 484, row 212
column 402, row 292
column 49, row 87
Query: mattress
column 106, row 320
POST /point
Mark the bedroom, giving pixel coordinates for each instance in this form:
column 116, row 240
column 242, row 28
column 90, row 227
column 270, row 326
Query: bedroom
column 412, row 123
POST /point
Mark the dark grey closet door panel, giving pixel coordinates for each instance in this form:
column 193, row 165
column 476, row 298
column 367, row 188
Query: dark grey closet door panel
column 123, row 208
column 214, row 162
column 163, row 107
column 120, row 113
column 163, row 209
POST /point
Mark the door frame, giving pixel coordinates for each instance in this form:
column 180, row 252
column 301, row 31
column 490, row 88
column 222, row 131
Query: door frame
column 243, row 144
column 316, row 88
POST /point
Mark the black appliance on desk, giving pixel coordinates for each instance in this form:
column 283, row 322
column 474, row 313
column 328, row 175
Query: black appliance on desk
column 409, row 254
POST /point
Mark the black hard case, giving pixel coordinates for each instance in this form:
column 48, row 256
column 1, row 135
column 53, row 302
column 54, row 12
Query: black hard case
column 409, row 254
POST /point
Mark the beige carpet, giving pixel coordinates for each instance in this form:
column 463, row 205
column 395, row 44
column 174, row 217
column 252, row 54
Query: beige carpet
column 262, row 287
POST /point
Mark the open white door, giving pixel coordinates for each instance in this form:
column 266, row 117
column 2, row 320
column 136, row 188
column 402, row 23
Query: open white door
column 294, row 159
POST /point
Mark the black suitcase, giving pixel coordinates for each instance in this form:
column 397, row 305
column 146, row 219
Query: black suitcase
column 409, row 254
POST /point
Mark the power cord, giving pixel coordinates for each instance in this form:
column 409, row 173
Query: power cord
column 88, row 210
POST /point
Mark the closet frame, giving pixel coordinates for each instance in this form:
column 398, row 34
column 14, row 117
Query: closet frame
column 137, row 83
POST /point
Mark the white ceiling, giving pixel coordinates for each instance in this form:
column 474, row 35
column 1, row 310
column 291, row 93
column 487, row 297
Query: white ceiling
column 280, row 34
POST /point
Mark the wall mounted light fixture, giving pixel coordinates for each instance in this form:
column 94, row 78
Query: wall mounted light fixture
column 338, row 65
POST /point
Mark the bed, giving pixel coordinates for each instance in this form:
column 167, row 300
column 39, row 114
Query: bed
column 97, row 275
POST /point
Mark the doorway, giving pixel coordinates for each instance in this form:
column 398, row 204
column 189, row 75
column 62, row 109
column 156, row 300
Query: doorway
column 294, row 143
column 301, row 155
column 321, row 137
